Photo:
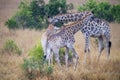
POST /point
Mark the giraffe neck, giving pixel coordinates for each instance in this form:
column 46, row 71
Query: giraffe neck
column 75, row 27
column 69, row 17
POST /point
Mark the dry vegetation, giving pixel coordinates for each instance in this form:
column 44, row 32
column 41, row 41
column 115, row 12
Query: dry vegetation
column 10, row 65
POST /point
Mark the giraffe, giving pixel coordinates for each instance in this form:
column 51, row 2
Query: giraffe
column 99, row 29
column 68, row 17
column 50, row 30
column 65, row 38
column 95, row 27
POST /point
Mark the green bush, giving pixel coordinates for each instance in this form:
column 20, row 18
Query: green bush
column 34, row 13
column 35, row 63
column 116, row 12
column 102, row 10
column 11, row 24
column 55, row 7
column 37, row 52
column 11, row 47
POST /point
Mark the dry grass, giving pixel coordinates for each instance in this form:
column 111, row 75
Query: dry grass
column 10, row 64
column 104, row 70
column 10, row 68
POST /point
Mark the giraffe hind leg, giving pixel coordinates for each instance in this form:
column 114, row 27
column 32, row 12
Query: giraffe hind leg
column 56, row 52
column 101, row 47
column 87, row 48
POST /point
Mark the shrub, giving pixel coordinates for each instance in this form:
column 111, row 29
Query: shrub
column 34, row 66
column 37, row 52
column 11, row 24
column 116, row 12
column 34, row 13
column 11, row 47
column 102, row 10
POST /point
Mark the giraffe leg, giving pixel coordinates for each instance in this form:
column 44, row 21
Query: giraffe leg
column 48, row 55
column 66, row 57
column 107, row 44
column 76, row 56
column 87, row 48
column 101, row 47
column 51, row 58
column 56, row 52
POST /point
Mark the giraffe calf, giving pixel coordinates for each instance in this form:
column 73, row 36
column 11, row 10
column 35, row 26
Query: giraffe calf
column 44, row 39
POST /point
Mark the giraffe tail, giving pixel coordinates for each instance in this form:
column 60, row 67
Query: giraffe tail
column 109, row 44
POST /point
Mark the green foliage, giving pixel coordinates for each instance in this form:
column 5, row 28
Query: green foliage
column 37, row 52
column 11, row 47
column 102, row 10
column 116, row 12
column 34, row 13
column 11, row 24
column 29, row 15
column 35, row 63
column 89, row 5
column 49, row 70
column 56, row 7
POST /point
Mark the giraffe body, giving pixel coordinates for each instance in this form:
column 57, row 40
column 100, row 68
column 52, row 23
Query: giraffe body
column 44, row 39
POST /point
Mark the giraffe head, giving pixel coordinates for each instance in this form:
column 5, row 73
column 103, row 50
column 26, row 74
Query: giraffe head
column 51, row 30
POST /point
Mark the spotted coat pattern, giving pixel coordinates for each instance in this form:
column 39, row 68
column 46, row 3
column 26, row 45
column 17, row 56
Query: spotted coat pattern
column 95, row 27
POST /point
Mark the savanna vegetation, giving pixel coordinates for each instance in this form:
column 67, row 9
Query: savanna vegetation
column 34, row 13
column 21, row 58
column 103, row 10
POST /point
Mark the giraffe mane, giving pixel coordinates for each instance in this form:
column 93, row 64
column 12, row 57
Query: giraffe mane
column 49, row 30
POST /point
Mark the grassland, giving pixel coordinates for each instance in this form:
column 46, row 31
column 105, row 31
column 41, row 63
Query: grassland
column 10, row 65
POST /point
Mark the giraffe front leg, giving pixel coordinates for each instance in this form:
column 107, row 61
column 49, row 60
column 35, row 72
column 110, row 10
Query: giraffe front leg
column 66, row 57
column 47, row 55
column 87, row 49
column 56, row 52
column 76, row 56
